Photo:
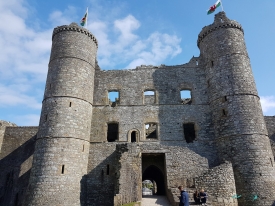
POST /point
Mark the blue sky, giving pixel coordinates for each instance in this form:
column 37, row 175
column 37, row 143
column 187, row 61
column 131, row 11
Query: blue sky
column 130, row 33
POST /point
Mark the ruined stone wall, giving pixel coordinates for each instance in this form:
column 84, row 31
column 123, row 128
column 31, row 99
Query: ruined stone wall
column 219, row 184
column 15, row 163
column 3, row 125
column 270, row 125
column 100, row 186
column 128, row 173
column 168, row 112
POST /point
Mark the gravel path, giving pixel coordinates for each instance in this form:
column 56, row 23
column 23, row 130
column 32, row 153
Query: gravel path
column 152, row 200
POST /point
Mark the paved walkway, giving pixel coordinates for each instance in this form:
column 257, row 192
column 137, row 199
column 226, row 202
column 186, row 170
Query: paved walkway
column 151, row 200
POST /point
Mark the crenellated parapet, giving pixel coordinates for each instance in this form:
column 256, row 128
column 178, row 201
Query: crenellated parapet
column 220, row 22
column 76, row 28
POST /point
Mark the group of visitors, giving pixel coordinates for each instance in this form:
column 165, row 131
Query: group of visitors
column 199, row 197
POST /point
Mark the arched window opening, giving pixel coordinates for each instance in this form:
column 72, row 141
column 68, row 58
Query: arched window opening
column 149, row 97
column 112, row 133
column 185, row 96
column 133, row 136
column 189, row 132
column 113, row 97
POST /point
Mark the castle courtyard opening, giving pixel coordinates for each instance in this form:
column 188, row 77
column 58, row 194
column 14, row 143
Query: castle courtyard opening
column 153, row 169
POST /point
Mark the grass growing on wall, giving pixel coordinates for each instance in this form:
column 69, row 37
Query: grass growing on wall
column 132, row 204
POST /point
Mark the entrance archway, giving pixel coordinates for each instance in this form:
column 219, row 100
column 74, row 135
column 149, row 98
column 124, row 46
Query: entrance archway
column 154, row 174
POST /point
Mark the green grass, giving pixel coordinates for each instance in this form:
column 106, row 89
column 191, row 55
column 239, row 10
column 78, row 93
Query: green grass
column 131, row 204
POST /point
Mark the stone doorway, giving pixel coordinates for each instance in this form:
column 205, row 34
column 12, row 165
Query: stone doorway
column 153, row 169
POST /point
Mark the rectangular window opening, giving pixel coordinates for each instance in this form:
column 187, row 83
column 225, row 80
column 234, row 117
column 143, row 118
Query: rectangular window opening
column 50, row 86
column 271, row 162
column 212, row 63
column 189, row 132
column 70, row 104
column 197, row 62
column 151, row 130
column 185, row 96
column 224, row 112
column 108, row 170
column 62, row 169
column 149, row 96
column 46, row 118
column 112, row 133
column 113, row 97
column 83, row 148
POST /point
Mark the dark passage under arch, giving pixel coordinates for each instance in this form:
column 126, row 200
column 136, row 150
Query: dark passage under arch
column 153, row 173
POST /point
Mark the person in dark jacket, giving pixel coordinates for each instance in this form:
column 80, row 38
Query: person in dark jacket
column 196, row 197
column 184, row 197
column 203, row 197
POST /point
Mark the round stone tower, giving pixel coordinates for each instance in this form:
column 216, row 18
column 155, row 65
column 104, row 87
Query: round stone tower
column 62, row 147
column 240, row 129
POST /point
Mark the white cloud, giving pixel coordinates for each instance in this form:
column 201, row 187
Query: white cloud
column 129, row 48
column 268, row 105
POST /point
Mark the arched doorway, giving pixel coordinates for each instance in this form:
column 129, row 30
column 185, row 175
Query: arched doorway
column 154, row 174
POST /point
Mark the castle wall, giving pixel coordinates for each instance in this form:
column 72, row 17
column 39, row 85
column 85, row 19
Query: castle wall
column 219, row 184
column 62, row 147
column 270, row 125
column 132, row 113
column 15, row 163
column 3, row 125
column 236, row 110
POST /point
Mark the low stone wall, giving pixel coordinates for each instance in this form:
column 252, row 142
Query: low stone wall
column 219, row 184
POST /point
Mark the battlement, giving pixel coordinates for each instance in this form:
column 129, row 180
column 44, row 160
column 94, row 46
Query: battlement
column 221, row 22
column 74, row 27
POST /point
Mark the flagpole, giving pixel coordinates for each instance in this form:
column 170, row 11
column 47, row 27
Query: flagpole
column 87, row 18
column 221, row 5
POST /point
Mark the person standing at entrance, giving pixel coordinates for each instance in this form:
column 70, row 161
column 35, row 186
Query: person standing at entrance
column 203, row 197
column 184, row 197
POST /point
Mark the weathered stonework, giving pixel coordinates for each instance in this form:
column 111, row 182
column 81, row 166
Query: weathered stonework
column 69, row 161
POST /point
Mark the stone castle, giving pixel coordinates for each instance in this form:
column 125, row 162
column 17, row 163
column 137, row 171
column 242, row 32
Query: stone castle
column 89, row 150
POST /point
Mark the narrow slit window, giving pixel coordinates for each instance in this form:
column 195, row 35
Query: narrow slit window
column 70, row 104
column 151, row 131
column 271, row 162
column 185, row 96
column 189, row 132
column 224, row 112
column 108, row 170
column 225, row 98
column 62, row 169
column 149, row 97
column 212, row 63
column 83, row 148
column 197, row 62
column 50, row 86
column 46, row 118
column 113, row 97
column 112, row 133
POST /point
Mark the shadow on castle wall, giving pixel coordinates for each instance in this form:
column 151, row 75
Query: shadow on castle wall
column 15, row 173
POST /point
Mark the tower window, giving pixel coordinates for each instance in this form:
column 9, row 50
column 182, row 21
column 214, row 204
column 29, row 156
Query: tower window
column 224, row 113
column 185, row 96
column 62, row 169
column 151, row 131
column 70, row 104
column 50, row 86
column 189, row 132
column 197, row 62
column 149, row 97
column 212, row 63
column 112, row 133
column 46, row 118
column 113, row 97
column 108, row 170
